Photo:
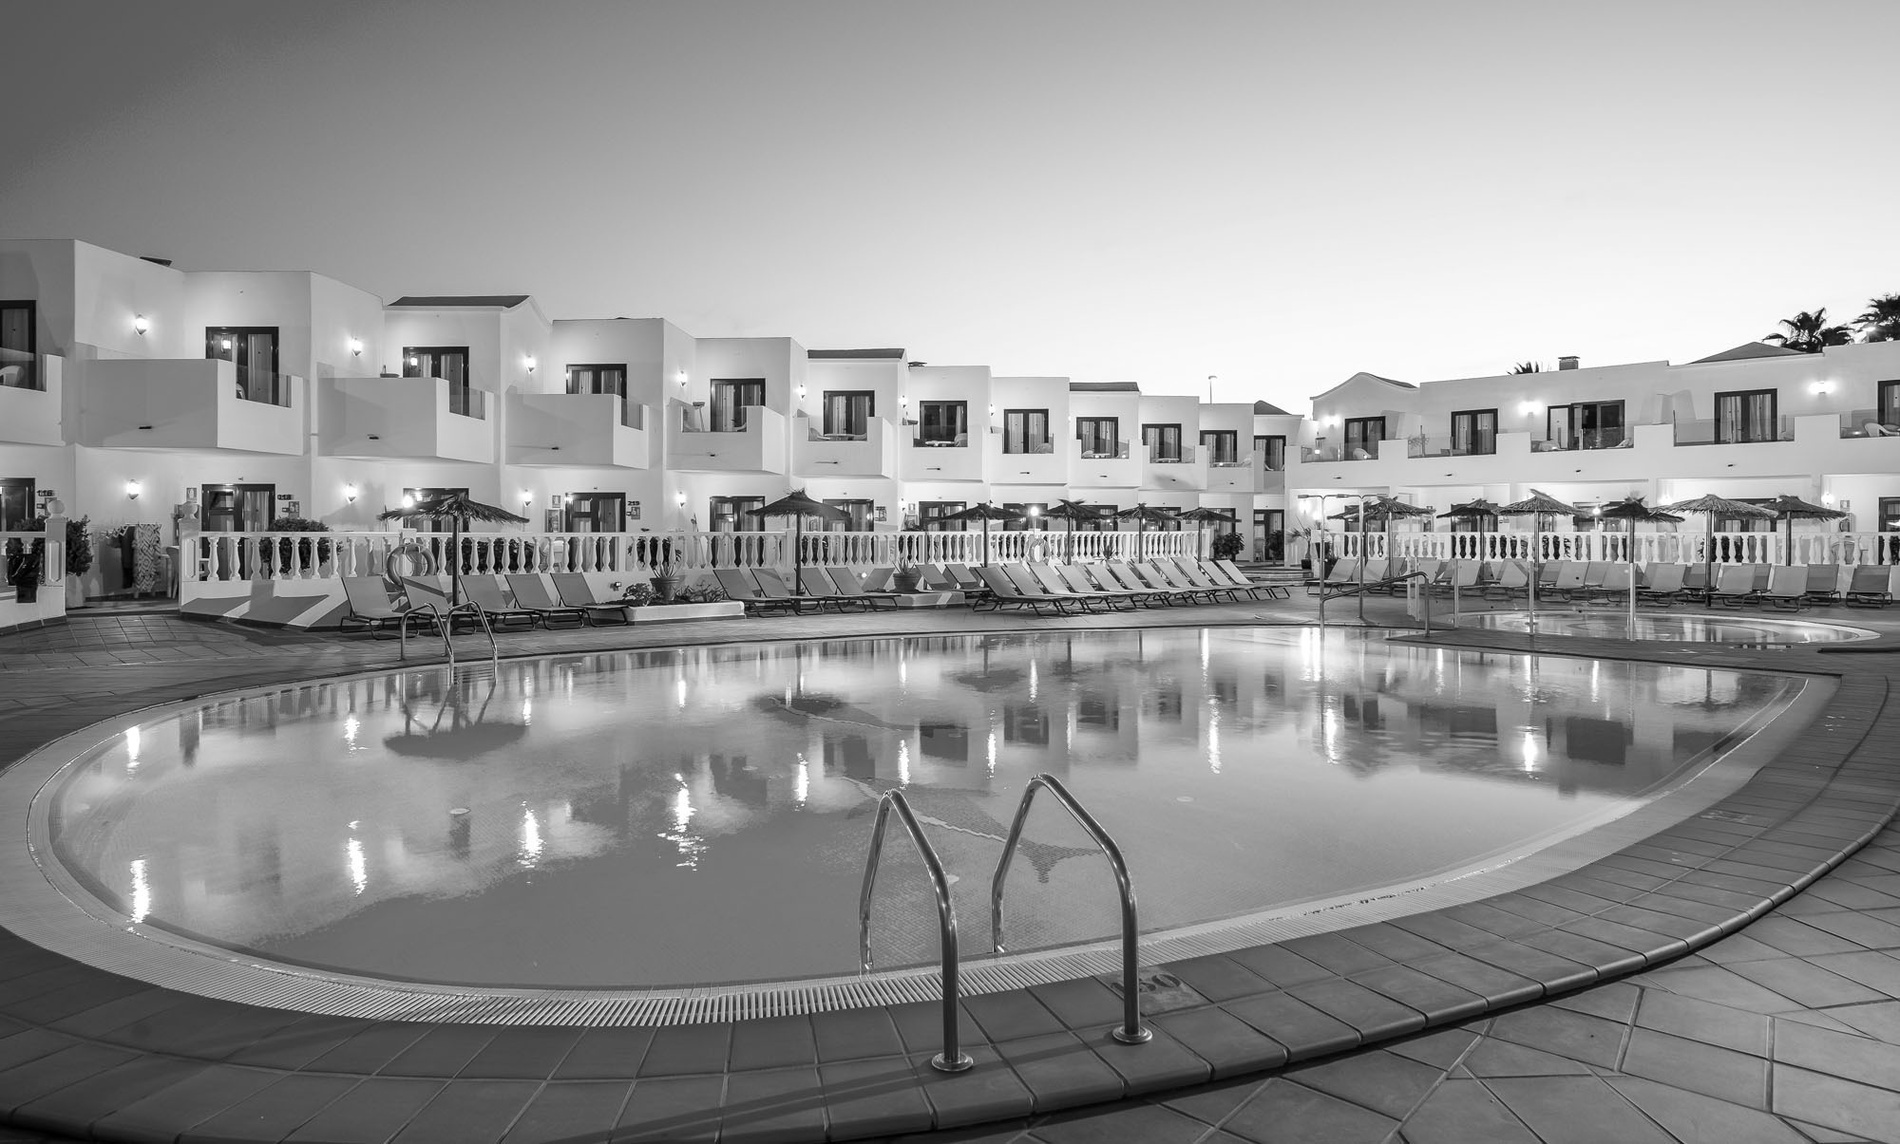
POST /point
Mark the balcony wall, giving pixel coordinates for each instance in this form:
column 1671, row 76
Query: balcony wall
column 874, row 456
column 399, row 418
column 1236, row 477
column 1189, row 474
column 758, row 448
column 184, row 403
column 942, row 462
column 1050, row 468
column 1122, row 471
column 30, row 395
column 581, row 429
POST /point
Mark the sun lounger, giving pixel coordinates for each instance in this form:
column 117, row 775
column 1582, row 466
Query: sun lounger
column 1614, row 586
column 575, row 591
column 1078, row 581
column 1513, row 579
column 1869, row 588
column 1456, row 577
column 852, row 588
column 1734, row 585
column 1155, row 576
column 1189, row 572
column 772, row 587
column 534, row 592
column 1214, row 573
column 738, row 584
column 1595, row 574
column 818, row 586
column 1695, row 582
column 1823, row 584
column 1662, row 583
column 1124, row 574
column 936, row 578
column 1053, row 582
column 1337, row 577
column 1233, row 571
column 879, row 579
column 485, row 592
column 371, row 610
column 1004, row 594
column 1787, row 588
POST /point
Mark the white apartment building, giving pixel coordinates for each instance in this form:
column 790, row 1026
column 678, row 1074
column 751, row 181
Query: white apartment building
column 137, row 392
column 1749, row 423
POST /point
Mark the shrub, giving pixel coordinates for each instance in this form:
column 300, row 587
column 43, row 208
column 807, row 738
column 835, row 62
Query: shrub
column 285, row 545
column 699, row 594
column 1227, row 546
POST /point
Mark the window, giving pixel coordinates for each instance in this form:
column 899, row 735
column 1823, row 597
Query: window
column 1363, row 435
column 1272, row 450
column 848, row 413
column 1222, row 445
column 238, row 508
column 253, row 349
column 1748, row 523
column 1890, row 403
column 17, row 365
column 1890, row 514
column 1026, row 431
column 1163, row 443
column 450, row 363
column 17, row 506
column 942, row 423
column 861, row 512
column 1269, row 534
column 933, row 512
column 732, row 514
column 1100, row 436
column 597, row 379
column 1585, row 425
column 1474, row 432
column 594, row 512
column 1746, row 416
column 730, row 400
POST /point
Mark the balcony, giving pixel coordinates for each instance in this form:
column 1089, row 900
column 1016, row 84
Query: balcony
column 1235, row 476
column 758, row 446
column 957, row 460
column 404, row 418
column 188, row 403
column 872, row 453
column 1103, row 468
column 1041, row 465
column 595, row 430
column 1184, row 468
column 31, row 390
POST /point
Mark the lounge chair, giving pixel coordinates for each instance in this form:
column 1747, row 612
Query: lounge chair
column 818, row 586
column 1214, row 573
column 1338, row 577
column 1457, row 577
column 1787, row 588
column 1595, row 575
column 1662, row 583
column 1004, row 594
column 1233, row 571
column 1124, row 574
column 879, row 580
column 1512, row 580
column 535, row 592
column 1614, row 586
column 576, row 591
column 485, row 592
column 1695, row 582
column 738, row 584
column 1734, row 585
column 1155, row 576
column 1189, row 572
column 434, row 590
column 964, row 578
column 772, row 587
column 852, row 588
column 1824, row 584
column 936, row 578
column 1568, row 583
column 372, row 610
column 1053, row 583
column 1078, row 581
column 1869, row 588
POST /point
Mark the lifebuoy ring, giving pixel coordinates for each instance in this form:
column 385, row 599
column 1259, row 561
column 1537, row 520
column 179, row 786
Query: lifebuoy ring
column 422, row 564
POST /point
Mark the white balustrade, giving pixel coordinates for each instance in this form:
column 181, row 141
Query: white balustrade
column 1687, row 545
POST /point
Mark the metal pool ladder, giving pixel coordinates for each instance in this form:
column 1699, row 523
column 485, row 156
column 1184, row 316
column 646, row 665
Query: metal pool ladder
column 445, row 622
column 952, row 1059
column 1131, row 1032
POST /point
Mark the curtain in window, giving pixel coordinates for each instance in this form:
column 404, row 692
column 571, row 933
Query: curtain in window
column 847, row 414
column 1025, row 431
column 730, row 399
column 1163, row 440
column 1474, row 433
column 943, row 420
column 1745, row 416
column 1098, row 435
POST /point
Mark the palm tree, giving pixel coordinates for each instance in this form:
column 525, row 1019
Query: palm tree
column 1810, row 332
column 1526, row 367
column 1881, row 322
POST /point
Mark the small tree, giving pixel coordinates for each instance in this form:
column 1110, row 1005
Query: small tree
column 1227, row 546
column 1881, row 322
column 78, row 543
column 1810, row 333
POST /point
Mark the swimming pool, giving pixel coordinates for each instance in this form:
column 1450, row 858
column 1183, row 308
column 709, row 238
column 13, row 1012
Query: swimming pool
column 701, row 814
column 1684, row 627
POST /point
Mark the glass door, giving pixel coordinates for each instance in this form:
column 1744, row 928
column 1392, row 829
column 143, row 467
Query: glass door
column 730, row 400
column 1474, row 433
column 733, row 514
column 861, row 512
column 237, row 508
column 848, row 413
column 1269, row 535
column 933, row 513
column 1363, row 435
column 595, row 512
column 1163, row 442
column 253, row 349
column 1025, row 431
column 450, row 363
column 16, row 504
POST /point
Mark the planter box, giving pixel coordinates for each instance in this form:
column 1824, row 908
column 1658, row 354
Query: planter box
column 931, row 600
column 670, row 613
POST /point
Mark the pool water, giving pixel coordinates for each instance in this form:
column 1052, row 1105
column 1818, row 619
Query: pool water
column 1755, row 631
column 701, row 815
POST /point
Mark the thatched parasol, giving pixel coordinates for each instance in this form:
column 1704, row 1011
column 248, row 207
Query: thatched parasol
column 984, row 512
column 1634, row 510
column 1144, row 515
column 1712, row 506
column 798, row 506
column 455, row 507
column 1539, row 505
column 1202, row 515
column 1072, row 511
column 1793, row 508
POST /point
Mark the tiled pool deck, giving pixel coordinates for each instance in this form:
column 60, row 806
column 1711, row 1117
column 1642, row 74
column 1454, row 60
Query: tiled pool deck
column 1676, row 990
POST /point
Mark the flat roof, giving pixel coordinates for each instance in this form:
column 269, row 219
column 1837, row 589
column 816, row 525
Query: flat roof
column 856, row 355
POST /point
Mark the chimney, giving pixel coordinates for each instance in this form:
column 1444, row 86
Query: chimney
column 157, row 261
column 1568, row 361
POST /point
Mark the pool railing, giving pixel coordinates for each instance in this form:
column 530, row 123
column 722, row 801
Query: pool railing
column 952, row 1059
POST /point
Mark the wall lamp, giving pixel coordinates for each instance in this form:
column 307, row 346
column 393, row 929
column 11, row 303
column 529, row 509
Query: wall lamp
column 682, row 378
column 132, row 490
column 408, row 500
column 349, row 492
column 679, row 498
column 530, row 362
column 1821, row 387
column 527, row 498
column 140, row 324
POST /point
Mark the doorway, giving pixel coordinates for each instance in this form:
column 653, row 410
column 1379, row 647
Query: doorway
column 1269, row 535
column 424, row 523
column 237, row 508
column 17, row 505
column 595, row 512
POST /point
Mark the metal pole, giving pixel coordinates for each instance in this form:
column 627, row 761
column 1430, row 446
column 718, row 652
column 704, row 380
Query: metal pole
column 1319, row 554
column 1362, row 558
column 952, row 1059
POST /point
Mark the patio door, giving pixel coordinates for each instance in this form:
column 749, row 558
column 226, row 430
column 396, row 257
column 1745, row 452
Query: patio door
column 862, row 513
column 731, row 399
column 1269, row 535
column 595, row 512
column 734, row 514
column 423, row 523
column 17, row 506
column 933, row 512
column 253, row 349
column 237, row 508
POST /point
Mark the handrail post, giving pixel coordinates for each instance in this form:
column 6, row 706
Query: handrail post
column 1131, row 1032
column 952, row 1059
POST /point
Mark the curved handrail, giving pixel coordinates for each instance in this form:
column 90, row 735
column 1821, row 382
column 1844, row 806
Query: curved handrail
column 1131, row 1032
column 402, row 631
column 494, row 649
column 952, row 1059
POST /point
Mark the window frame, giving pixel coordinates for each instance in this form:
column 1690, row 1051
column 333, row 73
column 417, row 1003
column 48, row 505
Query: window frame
column 596, row 369
column 737, row 386
column 31, row 485
column 1154, row 456
column 275, row 392
column 1114, row 435
column 960, row 407
column 870, row 411
column 1369, row 444
column 742, row 520
column 1211, row 439
column 1270, row 446
column 1887, row 398
column 1473, row 415
column 1774, row 416
column 30, row 374
column 1028, row 417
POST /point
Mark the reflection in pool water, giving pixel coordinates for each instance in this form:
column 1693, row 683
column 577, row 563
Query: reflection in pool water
column 701, row 814
column 1681, row 627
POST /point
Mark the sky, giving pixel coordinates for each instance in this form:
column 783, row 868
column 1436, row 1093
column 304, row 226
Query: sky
column 1276, row 194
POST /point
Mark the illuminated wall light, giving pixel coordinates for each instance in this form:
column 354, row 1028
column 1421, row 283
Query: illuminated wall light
column 527, row 498
column 132, row 490
column 1531, row 408
column 224, row 343
column 349, row 492
column 529, row 362
column 680, row 499
column 356, row 347
column 408, row 501
column 140, row 324
column 682, row 378
column 1821, row 387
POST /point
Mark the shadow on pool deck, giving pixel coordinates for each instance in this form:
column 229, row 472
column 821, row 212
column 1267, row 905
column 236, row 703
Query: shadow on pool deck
column 1758, row 1033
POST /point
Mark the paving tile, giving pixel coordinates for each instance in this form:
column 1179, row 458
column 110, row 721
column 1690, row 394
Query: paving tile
column 1465, row 1112
column 1723, row 986
column 672, row 1108
column 291, row 1045
column 1843, row 1055
column 1862, row 1109
column 575, row 1112
column 605, row 1054
column 679, row 1050
column 1129, row 1124
column 468, row 1112
column 1499, row 987
column 442, row 1051
column 1555, row 972
column 1224, row 1041
column 1218, row 977
column 1704, row 1021
column 1007, row 1016
column 1335, row 953
column 1210, row 1103
column 1821, row 1134
column 527, row 1053
column 1608, row 960
column 1575, row 1110
column 1578, row 1036
column 1440, row 1049
column 1492, row 1057
column 1707, row 1069
column 1061, row 1071
column 871, row 1097
column 1880, row 1019
column 1390, row 941
column 271, row 1113
column 370, row 1049
column 375, row 1111
column 1162, row 1062
column 78, row 1104
column 1876, row 970
column 1441, row 1002
column 1304, row 1030
column 772, row 1105
column 1612, row 1001
column 1805, row 983
column 30, row 1080
column 1280, row 966
column 1372, row 1014
column 1077, row 1004
column 1382, row 1081
column 1864, row 931
column 1287, row 1113
column 203, row 1094
column 988, row 1090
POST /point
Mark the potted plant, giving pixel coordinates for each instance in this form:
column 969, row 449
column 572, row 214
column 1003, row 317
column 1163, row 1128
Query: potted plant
column 908, row 577
column 78, row 557
column 23, row 568
column 1227, row 546
column 666, row 570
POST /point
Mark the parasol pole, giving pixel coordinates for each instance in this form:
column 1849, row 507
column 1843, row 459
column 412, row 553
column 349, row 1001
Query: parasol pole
column 1362, row 558
column 1632, row 556
column 798, row 556
column 986, row 536
column 455, row 561
column 1708, row 563
column 1537, row 549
